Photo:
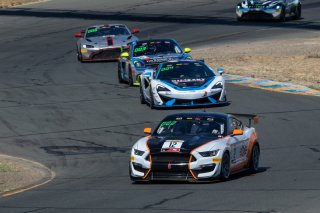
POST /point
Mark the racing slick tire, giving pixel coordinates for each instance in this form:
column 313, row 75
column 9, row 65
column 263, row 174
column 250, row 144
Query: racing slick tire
column 239, row 19
column 142, row 98
column 130, row 77
column 254, row 158
column 151, row 104
column 297, row 14
column 120, row 79
column 79, row 57
column 283, row 14
column 225, row 167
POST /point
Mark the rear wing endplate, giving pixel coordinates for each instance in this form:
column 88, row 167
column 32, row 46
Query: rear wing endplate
column 251, row 117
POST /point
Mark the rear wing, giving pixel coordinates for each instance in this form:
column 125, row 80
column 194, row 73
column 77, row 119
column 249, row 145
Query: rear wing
column 250, row 117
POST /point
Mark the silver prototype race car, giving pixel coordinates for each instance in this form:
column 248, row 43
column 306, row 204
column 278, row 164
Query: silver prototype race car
column 103, row 42
column 268, row 9
column 182, row 83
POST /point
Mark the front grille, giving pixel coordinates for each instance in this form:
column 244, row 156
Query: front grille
column 206, row 169
column 139, row 168
column 106, row 54
column 170, row 157
column 171, row 163
column 185, row 176
column 257, row 15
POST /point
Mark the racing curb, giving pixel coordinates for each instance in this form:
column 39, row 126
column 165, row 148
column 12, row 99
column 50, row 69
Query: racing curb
column 48, row 175
column 271, row 85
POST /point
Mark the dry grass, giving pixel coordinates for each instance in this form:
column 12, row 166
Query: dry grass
column 16, row 173
column 296, row 61
column 10, row 3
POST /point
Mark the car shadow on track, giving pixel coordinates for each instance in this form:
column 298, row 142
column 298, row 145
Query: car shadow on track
column 142, row 17
column 236, row 176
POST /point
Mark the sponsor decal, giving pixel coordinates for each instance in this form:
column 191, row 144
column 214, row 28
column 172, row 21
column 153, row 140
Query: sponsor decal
column 92, row 30
column 168, row 67
column 188, row 80
column 172, row 146
column 168, row 123
column 140, row 49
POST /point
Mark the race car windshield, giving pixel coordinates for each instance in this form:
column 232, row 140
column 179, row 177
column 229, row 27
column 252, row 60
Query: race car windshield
column 184, row 70
column 156, row 48
column 207, row 126
column 105, row 31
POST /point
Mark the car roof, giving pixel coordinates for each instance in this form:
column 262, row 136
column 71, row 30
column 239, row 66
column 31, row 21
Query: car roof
column 160, row 39
column 101, row 25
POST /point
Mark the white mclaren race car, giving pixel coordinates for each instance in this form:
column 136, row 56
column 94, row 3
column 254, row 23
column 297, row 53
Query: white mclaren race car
column 182, row 83
column 196, row 147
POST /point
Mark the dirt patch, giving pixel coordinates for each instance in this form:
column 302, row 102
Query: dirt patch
column 18, row 174
column 295, row 60
column 11, row 3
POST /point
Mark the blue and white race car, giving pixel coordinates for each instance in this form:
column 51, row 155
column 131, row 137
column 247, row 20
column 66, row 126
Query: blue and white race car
column 182, row 83
column 145, row 54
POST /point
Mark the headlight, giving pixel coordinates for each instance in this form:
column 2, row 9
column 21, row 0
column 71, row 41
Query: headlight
column 87, row 46
column 138, row 152
column 238, row 7
column 278, row 7
column 138, row 64
column 209, row 153
column 218, row 85
column 162, row 89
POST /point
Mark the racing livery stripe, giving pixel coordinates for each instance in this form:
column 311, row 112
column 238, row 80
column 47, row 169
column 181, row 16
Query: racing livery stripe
column 146, row 175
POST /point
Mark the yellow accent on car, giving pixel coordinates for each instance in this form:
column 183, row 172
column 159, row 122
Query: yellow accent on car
column 125, row 54
column 84, row 50
column 216, row 160
column 136, row 84
column 187, row 50
column 131, row 158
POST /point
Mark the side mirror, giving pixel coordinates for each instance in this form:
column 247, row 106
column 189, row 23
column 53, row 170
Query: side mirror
column 237, row 132
column 125, row 55
column 187, row 50
column 220, row 70
column 147, row 130
column 135, row 30
column 77, row 35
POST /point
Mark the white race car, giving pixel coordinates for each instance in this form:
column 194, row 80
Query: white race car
column 182, row 83
column 196, row 147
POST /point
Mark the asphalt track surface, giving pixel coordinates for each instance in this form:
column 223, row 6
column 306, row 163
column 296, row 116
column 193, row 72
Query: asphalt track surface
column 77, row 120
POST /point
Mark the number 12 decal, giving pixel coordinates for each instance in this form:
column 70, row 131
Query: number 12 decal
column 172, row 146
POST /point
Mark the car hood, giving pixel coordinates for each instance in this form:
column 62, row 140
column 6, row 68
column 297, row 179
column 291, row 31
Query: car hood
column 101, row 42
column 189, row 82
column 160, row 58
column 189, row 143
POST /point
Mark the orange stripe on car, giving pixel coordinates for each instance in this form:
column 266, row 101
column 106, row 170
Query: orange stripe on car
column 150, row 158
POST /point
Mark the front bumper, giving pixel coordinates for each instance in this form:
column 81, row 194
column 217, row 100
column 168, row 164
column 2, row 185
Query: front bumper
column 258, row 13
column 174, row 167
column 189, row 98
column 104, row 54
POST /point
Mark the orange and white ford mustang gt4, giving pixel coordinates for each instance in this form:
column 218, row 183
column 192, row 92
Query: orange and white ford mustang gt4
column 196, row 147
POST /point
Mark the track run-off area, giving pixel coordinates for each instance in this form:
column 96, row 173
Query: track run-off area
column 77, row 120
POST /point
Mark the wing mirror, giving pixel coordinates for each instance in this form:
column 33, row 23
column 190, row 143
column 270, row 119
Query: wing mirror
column 147, row 74
column 147, row 130
column 135, row 30
column 187, row 50
column 237, row 132
column 125, row 55
column 220, row 70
